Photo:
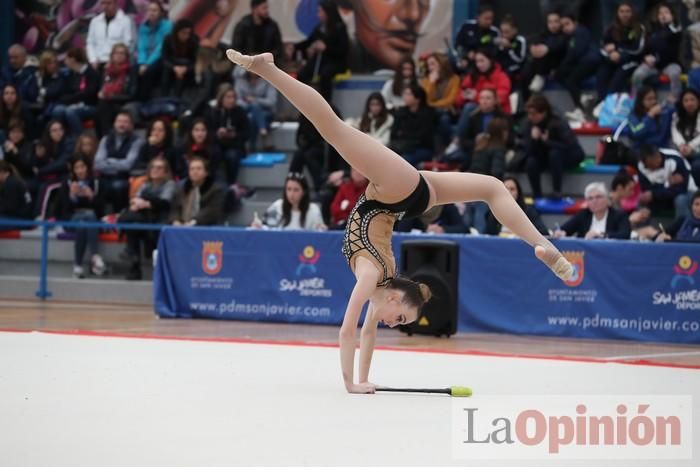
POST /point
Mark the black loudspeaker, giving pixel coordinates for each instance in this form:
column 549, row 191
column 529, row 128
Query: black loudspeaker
column 435, row 263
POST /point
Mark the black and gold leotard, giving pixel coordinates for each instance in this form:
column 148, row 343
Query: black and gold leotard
column 371, row 223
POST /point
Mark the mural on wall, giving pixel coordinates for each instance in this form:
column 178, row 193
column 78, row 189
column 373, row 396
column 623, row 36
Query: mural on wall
column 381, row 31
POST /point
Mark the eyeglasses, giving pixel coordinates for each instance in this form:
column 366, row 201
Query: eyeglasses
column 594, row 197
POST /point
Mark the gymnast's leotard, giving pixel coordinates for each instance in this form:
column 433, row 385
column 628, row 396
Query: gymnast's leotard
column 371, row 223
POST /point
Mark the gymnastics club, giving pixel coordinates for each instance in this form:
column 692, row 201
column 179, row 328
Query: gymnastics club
column 454, row 391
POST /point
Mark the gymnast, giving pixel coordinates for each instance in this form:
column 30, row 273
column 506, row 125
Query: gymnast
column 396, row 190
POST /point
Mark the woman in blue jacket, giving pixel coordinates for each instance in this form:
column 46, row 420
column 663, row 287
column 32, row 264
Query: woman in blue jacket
column 152, row 33
column 649, row 121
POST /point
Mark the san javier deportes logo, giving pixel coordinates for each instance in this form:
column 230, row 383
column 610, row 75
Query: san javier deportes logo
column 683, row 295
column 307, row 282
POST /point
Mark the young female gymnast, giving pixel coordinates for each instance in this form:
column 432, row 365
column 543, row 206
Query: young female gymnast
column 396, row 190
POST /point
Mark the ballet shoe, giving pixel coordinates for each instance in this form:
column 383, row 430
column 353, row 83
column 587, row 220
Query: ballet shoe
column 248, row 61
column 559, row 265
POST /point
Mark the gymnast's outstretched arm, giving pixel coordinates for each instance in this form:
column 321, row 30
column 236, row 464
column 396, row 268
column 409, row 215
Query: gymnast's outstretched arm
column 368, row 338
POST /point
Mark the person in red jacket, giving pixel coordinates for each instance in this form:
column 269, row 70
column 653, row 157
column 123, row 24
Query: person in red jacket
column 346, row 198
column 486, row 75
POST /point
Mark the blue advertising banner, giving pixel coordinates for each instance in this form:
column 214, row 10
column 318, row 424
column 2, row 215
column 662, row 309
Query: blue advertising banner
column 621, row 290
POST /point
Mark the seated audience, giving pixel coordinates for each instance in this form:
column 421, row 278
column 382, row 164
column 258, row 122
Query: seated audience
column 18, row 151
column 685, row 130
column 493, row 225
column 404, row 76
column 200, row 200
column 376, row 120
column 112, row 26
column 441, row 86
column 86, row 145
column 441, row 219
column 51, row 82
column 12, row 108
column 414, row 125
column 20, row 73
column 152, row 33
column 474, row 34
column 598, row 220
column 649, row 121
column 512, row 48
column 15, row 200
column 78, row 102
column 118, row 87
column 229, row 123
column 685, row 228
column 259, row 99
column 158, row 144
column 178, row 56
column 199, row 142
column 257, row 33
column 665, row 181
column 346, row 198
column 294, row 211
column 546, row 52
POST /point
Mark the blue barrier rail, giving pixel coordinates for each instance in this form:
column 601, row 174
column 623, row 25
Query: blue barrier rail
column 43, row 292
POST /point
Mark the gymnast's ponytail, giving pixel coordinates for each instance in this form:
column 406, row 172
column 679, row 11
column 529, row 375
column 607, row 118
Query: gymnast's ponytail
column 415, row 293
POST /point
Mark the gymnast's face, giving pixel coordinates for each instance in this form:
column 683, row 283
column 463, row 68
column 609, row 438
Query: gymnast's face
column 390, row 28
column 393, row 311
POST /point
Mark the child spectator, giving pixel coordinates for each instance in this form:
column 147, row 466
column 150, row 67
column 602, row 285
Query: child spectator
column 80, row 199
column 86, row 146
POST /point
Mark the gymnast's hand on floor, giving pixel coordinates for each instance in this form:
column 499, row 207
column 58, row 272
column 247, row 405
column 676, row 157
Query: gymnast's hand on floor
column 362, row 388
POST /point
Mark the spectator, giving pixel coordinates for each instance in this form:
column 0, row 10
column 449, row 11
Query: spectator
column 158, row 144
column 294, row 211
column 661, row 51
column 493, row 225
column 199, row 201
column 486, row 74
column 199, row 142
column 52, row 153
column 547, row 51
column 685, row 130
column 623, row 44
column 256, row 32
column 19, row 73
column 11, row 108
column 580, row 61
column 115, row 158
column 179, row 55
column 439, row 220
column 441, row 86
column 326, row 49
column 404, row 76
column 152, row 34
column 625, row 197
column 686, row 228
column 549, row 143
column 622, row 190
column 118, row 87
column 665, row 181
column 476, row 34
column 414, row 124
column 211, row 68
column 51, row 82
column 489, row 158
column 151, row 205
column 376, row 120
column 78, row 103
column 15, row 200
column 80, row 200
column 229, row 123
column 259, row 99
column 86, row 146
column 18, row 149
column 598, row 220
column 512, row 48
column 477, row 120
column 107, row 29
column 346, row 198
column 649, row 121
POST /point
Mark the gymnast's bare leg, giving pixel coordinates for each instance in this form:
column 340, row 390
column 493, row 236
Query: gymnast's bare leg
column 394, row 178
